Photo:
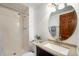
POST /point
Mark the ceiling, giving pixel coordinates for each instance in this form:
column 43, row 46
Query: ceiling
column 16, row 6
column 22, row 7
column 35, row 5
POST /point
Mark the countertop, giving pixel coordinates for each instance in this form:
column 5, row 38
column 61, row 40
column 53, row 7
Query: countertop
column 72, row 48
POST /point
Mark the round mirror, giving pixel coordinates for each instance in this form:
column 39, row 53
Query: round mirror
column 62, row 22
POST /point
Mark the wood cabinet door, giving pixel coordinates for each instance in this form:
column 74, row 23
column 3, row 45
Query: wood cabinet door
column 68, row 23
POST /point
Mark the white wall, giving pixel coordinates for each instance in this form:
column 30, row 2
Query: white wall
column 11, row 31
column 31, row 24
column 76, row 7
column 41, row 21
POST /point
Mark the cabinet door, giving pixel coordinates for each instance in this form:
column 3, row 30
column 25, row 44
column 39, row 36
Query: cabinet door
column 41, row 52
column 68, row 23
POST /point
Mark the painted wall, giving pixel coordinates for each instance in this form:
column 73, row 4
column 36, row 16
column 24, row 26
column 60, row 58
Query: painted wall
column 31, row 24
column 76, row 7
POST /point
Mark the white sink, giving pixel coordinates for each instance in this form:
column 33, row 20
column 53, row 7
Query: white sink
column 57, row 48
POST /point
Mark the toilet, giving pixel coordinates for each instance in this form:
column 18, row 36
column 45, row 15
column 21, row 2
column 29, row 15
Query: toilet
column 31, row 50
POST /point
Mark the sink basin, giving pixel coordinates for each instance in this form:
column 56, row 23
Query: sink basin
column 57, row 48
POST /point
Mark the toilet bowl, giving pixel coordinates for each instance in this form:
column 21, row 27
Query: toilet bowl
column 28, row 54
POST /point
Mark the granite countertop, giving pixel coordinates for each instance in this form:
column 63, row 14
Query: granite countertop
column 72, row 48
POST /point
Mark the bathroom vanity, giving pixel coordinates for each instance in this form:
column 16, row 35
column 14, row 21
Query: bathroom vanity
column 42, row 52
column 53, row 48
